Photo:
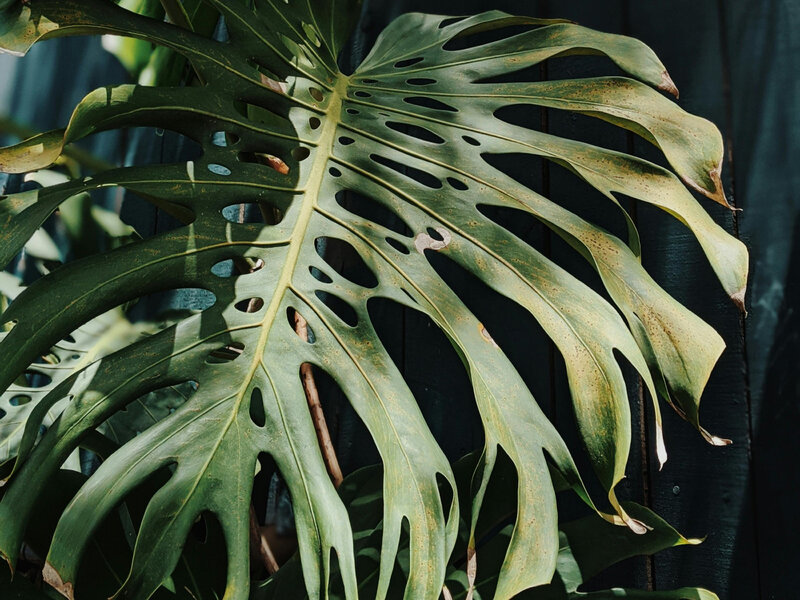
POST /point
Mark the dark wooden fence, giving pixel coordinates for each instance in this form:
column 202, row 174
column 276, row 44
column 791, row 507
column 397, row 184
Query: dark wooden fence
column 736, row 62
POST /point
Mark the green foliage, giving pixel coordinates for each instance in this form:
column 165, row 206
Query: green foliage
column 283, row 130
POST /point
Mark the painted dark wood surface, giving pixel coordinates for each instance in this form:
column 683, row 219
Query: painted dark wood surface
column 736, row 62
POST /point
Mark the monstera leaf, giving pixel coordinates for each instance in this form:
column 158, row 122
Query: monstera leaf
column 409, row 135
column 587, row 546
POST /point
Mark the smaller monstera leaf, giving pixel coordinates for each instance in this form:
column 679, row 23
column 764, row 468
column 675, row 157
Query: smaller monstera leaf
column 411, row 131
column 28, row 400
column 587, row 547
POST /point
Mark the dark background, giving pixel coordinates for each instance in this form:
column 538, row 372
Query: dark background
column 737, row 63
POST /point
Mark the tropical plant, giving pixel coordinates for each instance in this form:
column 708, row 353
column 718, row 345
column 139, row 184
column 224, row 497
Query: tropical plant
column 392, row 162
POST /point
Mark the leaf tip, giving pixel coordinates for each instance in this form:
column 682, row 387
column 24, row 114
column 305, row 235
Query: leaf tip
column 623, row 518
column 667, row 85
column 714, row 440
column 738, row 299
column 472, row 569
column 694, row 541
column 661, row 447
column 53, row 579
column 9, row 562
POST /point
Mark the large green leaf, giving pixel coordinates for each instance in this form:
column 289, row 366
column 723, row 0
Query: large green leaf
column 588, row 546
column 282, row 129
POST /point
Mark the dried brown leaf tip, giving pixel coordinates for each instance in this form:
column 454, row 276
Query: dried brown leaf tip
column 738, row 300
column 713, row 439
column 717, row 193
column 472, row 570
column 53, row 579
column 667, row 85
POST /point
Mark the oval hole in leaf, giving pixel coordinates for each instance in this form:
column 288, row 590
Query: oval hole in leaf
column 408, row 62
column 19, row 400
column 223, row 139
column 335, row 172
column 429, row 103
column 253, row 212
column 223, row 269
column 2, row 413
column 420, row 81
column 35, row 379
column 470, row 140
column 417, row 175
column 435, row 234
column 319, row 275
column 339, row 307
column 316, row 94
column 257, row 414
column 225, row 354
column 250, row 305
column 218, row 169
column 372, row 210
column 343, row 258
column 398, row 246
column 291, row 317
column 314, row 123
column 269, row 160
column 352, row 111
column 300, row 153
column 415, row 131
column 346, row 141
column 363, row 94
column 457, row 184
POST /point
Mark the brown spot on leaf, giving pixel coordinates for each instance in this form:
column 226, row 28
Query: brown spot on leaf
column 485, row 334
column 424, row 241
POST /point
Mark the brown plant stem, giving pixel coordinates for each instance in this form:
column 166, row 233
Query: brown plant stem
column 315, row 407
column 259, row 546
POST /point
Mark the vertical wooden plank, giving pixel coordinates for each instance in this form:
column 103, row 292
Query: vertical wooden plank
column 702, row 490
column 764, row 54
